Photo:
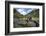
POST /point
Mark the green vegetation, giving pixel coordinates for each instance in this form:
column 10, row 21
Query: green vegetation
column 34, row 15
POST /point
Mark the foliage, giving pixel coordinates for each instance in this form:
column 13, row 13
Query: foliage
column 34, row 14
